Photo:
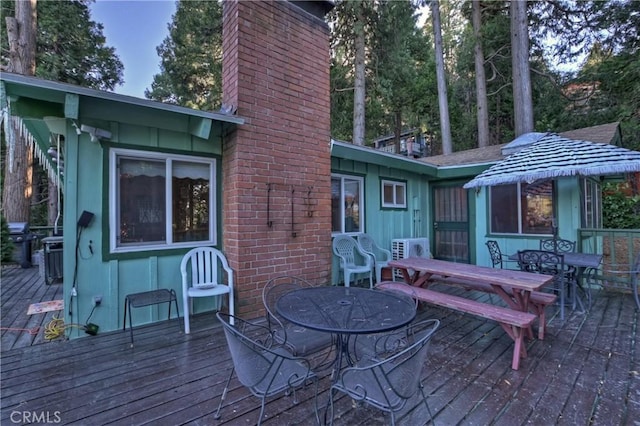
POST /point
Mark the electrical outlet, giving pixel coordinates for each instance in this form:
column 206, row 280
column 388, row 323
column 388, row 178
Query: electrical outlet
column 97, row 300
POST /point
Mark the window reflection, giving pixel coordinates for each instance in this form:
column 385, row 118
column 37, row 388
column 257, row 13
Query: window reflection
column 160, row 201
column 346, row 204
column 537, row 207
column 142, row 200
column 190, row 201
column 522, row 208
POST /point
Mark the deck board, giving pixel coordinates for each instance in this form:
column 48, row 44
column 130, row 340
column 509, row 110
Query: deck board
column 586, row 371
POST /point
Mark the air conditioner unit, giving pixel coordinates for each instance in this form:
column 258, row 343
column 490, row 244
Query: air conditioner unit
column 402, row 248
column 410, row 247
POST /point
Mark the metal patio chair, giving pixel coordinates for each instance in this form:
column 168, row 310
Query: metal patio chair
column 202, row 270
column 392, row 376
column 300, row 341
column 558, row 245
column 262, row 367
column 497, row 257
column 549, row 263
column 381, row 256
column 353, row 259
column 624, row 269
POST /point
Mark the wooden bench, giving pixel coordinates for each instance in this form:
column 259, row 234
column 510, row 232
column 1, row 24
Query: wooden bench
column 513, row 322
column 538, row 301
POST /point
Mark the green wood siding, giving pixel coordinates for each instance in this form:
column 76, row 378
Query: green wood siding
column 87, row 188
column 387, row 224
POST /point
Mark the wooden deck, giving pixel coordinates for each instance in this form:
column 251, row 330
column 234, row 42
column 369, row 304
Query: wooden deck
column 585, row 372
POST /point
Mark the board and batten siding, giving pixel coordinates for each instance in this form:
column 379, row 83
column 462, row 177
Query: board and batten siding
column 109, row 275
column 385, row 224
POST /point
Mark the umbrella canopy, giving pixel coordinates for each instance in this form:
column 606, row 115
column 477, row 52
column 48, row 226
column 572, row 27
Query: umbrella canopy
column 552, row 156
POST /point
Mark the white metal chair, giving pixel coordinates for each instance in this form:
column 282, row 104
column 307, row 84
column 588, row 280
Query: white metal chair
column 203, row 270
column 381, row 256
column 353, row 259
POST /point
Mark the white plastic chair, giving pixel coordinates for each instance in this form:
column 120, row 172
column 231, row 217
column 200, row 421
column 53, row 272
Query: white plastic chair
column 381, row 256
column 349, row 252
column 202, row 270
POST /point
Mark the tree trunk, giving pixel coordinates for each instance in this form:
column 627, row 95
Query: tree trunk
column 522, row 97
column 482, row 109
column 397, row 132
column 53, row 205
column 359, row 89
column 445, row 127
column 18, row 179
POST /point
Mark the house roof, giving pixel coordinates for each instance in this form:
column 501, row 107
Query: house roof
column 553, row 156
column 349, row 151
column 42, row 107
column 486, row 155
column 16, row 85
column 605, row 133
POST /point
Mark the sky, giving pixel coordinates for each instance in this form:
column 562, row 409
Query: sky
column 135, row 28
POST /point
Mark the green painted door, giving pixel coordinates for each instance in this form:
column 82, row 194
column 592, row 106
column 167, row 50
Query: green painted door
column 450, row 223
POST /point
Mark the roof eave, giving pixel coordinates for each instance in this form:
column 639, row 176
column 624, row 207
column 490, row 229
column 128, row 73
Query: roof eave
column 49, row 90
column 349, row 151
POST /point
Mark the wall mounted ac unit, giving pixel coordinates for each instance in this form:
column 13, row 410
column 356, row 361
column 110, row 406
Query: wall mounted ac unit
column 410, row 247
column 402, row 248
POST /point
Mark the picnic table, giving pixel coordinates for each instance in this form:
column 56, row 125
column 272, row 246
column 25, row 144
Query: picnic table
column 516, row 288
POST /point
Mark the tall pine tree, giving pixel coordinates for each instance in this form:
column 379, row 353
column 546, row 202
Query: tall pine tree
column 191, row 58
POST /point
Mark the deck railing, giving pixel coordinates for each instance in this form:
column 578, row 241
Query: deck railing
column 618, row 247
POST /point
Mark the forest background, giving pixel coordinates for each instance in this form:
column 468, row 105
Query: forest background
column 383, row 48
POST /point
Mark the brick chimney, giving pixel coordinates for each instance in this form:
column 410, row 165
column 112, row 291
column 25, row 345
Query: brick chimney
column 276, row 168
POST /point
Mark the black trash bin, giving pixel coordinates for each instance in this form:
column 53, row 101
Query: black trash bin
column 22, row 238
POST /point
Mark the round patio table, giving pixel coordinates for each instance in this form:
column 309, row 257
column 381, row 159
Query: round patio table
column 344, row 311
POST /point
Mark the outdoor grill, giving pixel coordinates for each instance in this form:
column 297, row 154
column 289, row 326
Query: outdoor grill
column 21, row 238
column 52, row 250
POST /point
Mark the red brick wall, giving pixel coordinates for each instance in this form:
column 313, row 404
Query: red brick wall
column 276, row 71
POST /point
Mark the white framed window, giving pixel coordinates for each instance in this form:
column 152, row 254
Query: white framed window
column 160, row 200
column 347, row 204
column 394, row 194
column 522, row 208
